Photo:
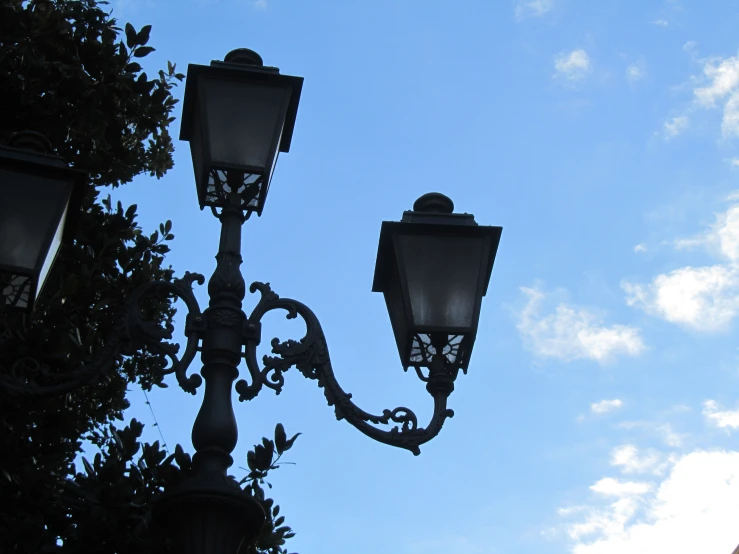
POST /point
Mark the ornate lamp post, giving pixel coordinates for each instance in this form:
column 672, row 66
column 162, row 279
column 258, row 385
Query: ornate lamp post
column 433, row 268
column 40, row 202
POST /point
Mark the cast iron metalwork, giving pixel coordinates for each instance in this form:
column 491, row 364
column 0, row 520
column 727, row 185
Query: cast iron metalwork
column 310, row 356
column 249, row 187
column 15, row 290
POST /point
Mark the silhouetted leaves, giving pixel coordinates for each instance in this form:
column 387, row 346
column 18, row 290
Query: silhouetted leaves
column 69, row 72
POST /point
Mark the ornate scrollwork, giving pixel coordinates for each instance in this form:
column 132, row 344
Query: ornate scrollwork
column 130, row 333
column 150, row 335
column 310, row 356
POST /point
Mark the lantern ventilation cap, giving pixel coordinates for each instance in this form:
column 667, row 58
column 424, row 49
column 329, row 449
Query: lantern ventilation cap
column 244, row 56
column 434, row 202
column 30, row 140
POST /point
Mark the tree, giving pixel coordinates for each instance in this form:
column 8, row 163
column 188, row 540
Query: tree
column 68, row 72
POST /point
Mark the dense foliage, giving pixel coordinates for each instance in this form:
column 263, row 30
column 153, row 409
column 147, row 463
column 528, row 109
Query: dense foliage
column 69, row 72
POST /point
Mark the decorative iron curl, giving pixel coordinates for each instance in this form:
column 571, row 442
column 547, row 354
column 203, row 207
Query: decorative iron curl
column 310, row 356
column 150, row 335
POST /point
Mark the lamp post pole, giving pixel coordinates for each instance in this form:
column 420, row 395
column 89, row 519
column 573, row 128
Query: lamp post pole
column 209, row 513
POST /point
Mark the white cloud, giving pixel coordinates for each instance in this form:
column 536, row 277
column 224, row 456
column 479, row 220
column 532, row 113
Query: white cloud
column 533, row 8
column 570, row 334
column 260, row 4
column 721, row 76
column 573, row 66
column 629, row 460
column 605, row 406
column 670, row 437
column 674, row 126
column 640, row 248
column 699, row 298
column 692, row 510
column 636, row 71
column 724, row 419
column 661, row 22
column 609, row 486
column 702, row 298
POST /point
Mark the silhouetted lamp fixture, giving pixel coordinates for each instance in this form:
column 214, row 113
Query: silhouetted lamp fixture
column 238, row 116
column 39, row 202
column 433, row 268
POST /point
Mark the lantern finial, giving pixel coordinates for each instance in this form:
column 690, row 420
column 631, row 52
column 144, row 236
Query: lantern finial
column 434, row 202
column 244, row 56
column 30, row 140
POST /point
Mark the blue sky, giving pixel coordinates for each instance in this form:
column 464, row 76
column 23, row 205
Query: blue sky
column 600, row 412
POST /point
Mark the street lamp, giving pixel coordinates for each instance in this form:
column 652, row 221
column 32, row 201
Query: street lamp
column 433, row 268
column 41, row 199
column 238, row 115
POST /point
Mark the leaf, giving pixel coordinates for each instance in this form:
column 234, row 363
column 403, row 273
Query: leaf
column 167, row 226
column 280, row 438
column 133, row 67
column 131, row 211
column 170, row 68
column 290, row 443
column 183, row 460
column 263, row 457
column 88, row 468
column 130, row 35
column 143, row 35
column 142, row 51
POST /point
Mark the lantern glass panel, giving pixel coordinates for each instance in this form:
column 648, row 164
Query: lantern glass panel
column 30, row 216
column 443, row 275
column 243, row 122
column 32, row 222
column 56, row 242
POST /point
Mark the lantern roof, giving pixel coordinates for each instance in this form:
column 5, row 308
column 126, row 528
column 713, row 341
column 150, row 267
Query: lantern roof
column 241, row 64
column 432, row 214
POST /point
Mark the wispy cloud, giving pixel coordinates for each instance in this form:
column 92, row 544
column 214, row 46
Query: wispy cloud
column 718, row 88
column 640, row 248
column 532, row 8
column 605, row 406
column 569, row 333
column 704, row 298
column 674, row 126
column 661, row 22
column 572, row 66
column 260, row 4
column 630, row 460
column 636, row 71
column 723, row 419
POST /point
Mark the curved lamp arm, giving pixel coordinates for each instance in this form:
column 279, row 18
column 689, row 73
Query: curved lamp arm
column 131, row 333
column 148, row 334
column 310, row 356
